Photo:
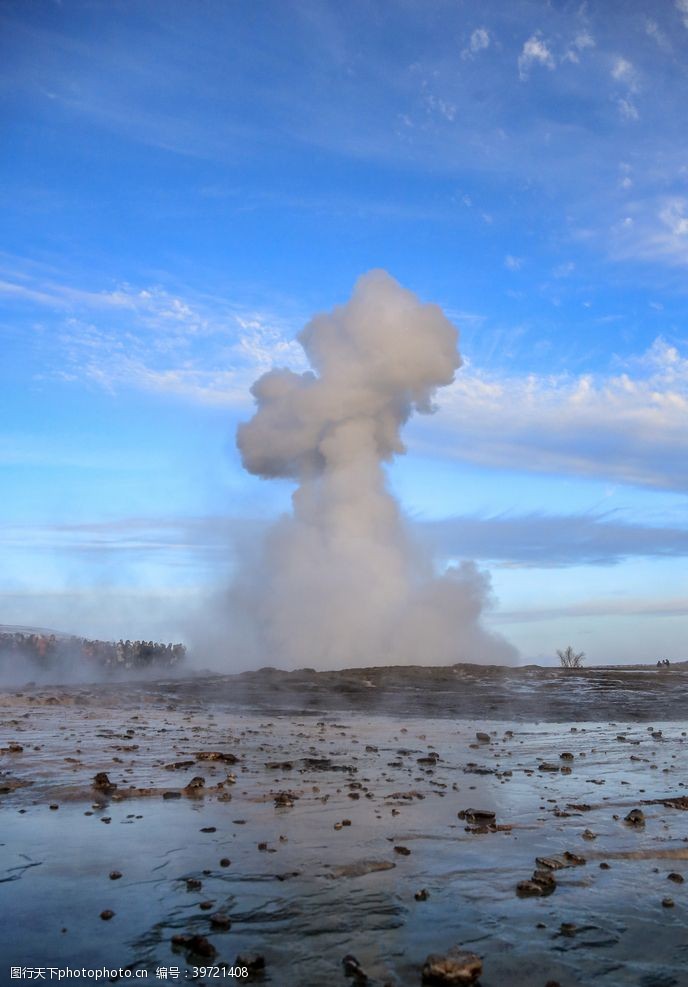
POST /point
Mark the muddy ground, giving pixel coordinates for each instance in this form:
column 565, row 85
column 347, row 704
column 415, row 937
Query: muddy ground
column 287, row 821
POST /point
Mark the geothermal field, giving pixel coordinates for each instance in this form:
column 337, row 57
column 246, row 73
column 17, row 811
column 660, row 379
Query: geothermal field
column 330, row 828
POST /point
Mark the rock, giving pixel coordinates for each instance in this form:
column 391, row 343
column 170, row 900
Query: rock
column 542, row 883
column 403, row 850
column 171, row 795
column 102, row 783
column 220, row 921
column 484, row 738
column 547, row 766
column 115, row 875
column 676, row 878
column 481, row 817
column 636, row 817
column 216, row 756
column 667, row 902
column 107, row 914
column 566, row 756
column 254, row 962
column 422, row 895
column 225, row 862
column 588, row 834
column 352, row 968
column 196, row 945
column 196, row 784
column 455, row 967
column 208, row 829
column 285, row 800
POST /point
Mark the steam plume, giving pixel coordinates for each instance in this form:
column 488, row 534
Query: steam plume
column 339, row 582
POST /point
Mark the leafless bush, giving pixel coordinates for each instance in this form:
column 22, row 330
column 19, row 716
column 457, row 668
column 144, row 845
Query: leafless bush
column 569, row 658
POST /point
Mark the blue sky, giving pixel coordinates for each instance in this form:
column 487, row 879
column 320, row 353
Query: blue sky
column 184, row 184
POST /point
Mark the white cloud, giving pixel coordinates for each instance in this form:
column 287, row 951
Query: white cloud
column 653, row 31
column 513, row 263
column 479, row 41
column 627, row 109
column 534, row 50
column 564, row 270
column 682, row 7
column 622, row 69
column 580, row 43
column 628, row 428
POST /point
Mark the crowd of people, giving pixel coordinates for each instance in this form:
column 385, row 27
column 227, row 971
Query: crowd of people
column 49, row 650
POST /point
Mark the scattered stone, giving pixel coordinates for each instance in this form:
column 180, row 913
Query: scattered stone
column 484, row 738
column 225, row 862
column 195, row 945
column 548, row 766
column 479, row 816
column 115, row 875
column 352, row 968
column 542, row 883
column 675, row 877
column 403, row 850
column 102, row 783
column 667, row 902
column 566, row 756
column 220, row 921
column 636, row 817
column 285, row 800
column 216, row 756
column 254, row 962
column 422, row 895
column 208, row 829
column 107, row 914
column 171, row 795
column 456, row 967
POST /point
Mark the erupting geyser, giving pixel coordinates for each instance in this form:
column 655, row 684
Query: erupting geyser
column 340, row 582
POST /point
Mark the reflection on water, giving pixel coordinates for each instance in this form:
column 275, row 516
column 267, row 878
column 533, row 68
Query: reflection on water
column 310, row 880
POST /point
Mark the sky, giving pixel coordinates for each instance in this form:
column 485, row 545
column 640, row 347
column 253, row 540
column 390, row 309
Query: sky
column 184, row 184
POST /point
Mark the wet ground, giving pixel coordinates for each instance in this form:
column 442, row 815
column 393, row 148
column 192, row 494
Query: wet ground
column 320, row 833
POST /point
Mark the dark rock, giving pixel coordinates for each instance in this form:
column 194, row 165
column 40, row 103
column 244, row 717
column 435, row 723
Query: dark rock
column 457, row 967
column 422, row 895
column 352, row 968
column 254, row 962
column 636, row 817
column 195, row 945
column 675, row 877
column 542, row 883
column 115, row 875
column 220, row 921
column 102, row 783
column 403, row 850
column 216, row 756
column 107, row 914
